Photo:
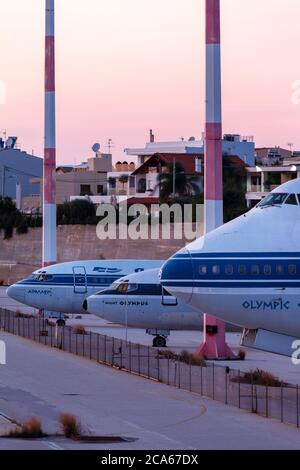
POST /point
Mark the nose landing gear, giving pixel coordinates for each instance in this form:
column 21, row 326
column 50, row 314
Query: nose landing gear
column 159, row 342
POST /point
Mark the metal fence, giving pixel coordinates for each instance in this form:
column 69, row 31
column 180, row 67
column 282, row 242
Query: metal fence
column 223, row 384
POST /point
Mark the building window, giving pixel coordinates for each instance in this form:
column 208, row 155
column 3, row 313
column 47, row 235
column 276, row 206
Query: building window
column 132, row 182
column 100, row 189
column 142, row 185
column 85, row 189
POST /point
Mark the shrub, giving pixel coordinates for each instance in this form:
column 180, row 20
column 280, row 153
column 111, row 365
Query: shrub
column 70, row 425
column 22, row 227
column 241, row 354
column 185, row 357
column 31, row 429
column 80, row 330
column 261, row 377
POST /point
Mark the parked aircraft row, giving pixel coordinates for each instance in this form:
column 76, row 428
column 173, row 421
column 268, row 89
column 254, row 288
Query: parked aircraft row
column 246, row 272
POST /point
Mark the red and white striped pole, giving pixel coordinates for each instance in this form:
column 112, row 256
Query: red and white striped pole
column 214, row 345
column 49, row 203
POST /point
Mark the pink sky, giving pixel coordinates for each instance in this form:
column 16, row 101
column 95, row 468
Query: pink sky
column 125, row 66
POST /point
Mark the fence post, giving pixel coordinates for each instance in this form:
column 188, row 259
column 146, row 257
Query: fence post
column 139, row 358
column 179, row 370
column 297, row 405
column 190, row 373
column 91, row 345
column 121, row 351
column 267, row 401
column 130, row 367
column 105, row 349
column 98, row 340
column 113, row 351
column 213, row 397
column 281, row 402
column 158, row 367
column 239, row 375
column 201, row 390
column 168, row 369
column 70, row 339
column 76, row 344
column 83, row 345
column 226, row 385
column 149, row 351
column 252, row 398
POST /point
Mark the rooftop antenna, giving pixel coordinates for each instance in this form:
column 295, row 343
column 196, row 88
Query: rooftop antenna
column 110, row 145
column 96, row 148
column 290, row 145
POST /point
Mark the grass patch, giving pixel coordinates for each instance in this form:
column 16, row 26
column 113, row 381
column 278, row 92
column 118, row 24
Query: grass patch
column 184, row 357
column 31, row 429
column 70, row 425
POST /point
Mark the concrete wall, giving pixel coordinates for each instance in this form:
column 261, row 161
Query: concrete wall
column 22, row 255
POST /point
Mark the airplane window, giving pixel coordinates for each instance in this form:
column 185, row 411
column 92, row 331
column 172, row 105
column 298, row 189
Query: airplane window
column 242, row 269
column 203, row 270
column 280, row 269
column 229, row 269
column 255, row 270
column 299, row 199
column 267, row 270
column 132, row 287
column 216, row 269
column 291, row 200
column 274, row 199
column 292, row 269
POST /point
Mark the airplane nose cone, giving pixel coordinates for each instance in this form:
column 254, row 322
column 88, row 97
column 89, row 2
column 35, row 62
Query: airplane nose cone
column 16, row 292
column 177, row 276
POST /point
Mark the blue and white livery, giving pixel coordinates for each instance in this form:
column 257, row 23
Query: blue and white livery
column 246, row 272
column 139, row 301
column 64, row 287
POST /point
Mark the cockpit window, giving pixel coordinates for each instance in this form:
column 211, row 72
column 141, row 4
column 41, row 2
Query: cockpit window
column 274, row 199
column 42, row 277
column 126, row 288
column 292, row 200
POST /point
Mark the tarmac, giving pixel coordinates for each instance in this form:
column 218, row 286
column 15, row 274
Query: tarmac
column 42, row 382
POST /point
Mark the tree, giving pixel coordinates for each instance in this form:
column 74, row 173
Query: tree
column 123, row 180
column 79, row 211
column 185, row 185
column 234, row 180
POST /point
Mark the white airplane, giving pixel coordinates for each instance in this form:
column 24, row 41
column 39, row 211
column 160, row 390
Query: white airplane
column 139, row 301
column 247, row 272
column 64, row 287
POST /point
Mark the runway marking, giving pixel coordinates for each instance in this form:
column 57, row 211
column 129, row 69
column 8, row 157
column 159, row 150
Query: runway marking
column 202, row 412
column 53, row 446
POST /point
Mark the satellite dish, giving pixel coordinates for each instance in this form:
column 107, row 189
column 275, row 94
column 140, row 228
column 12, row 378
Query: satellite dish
column 192, row 139
column 96, row 148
